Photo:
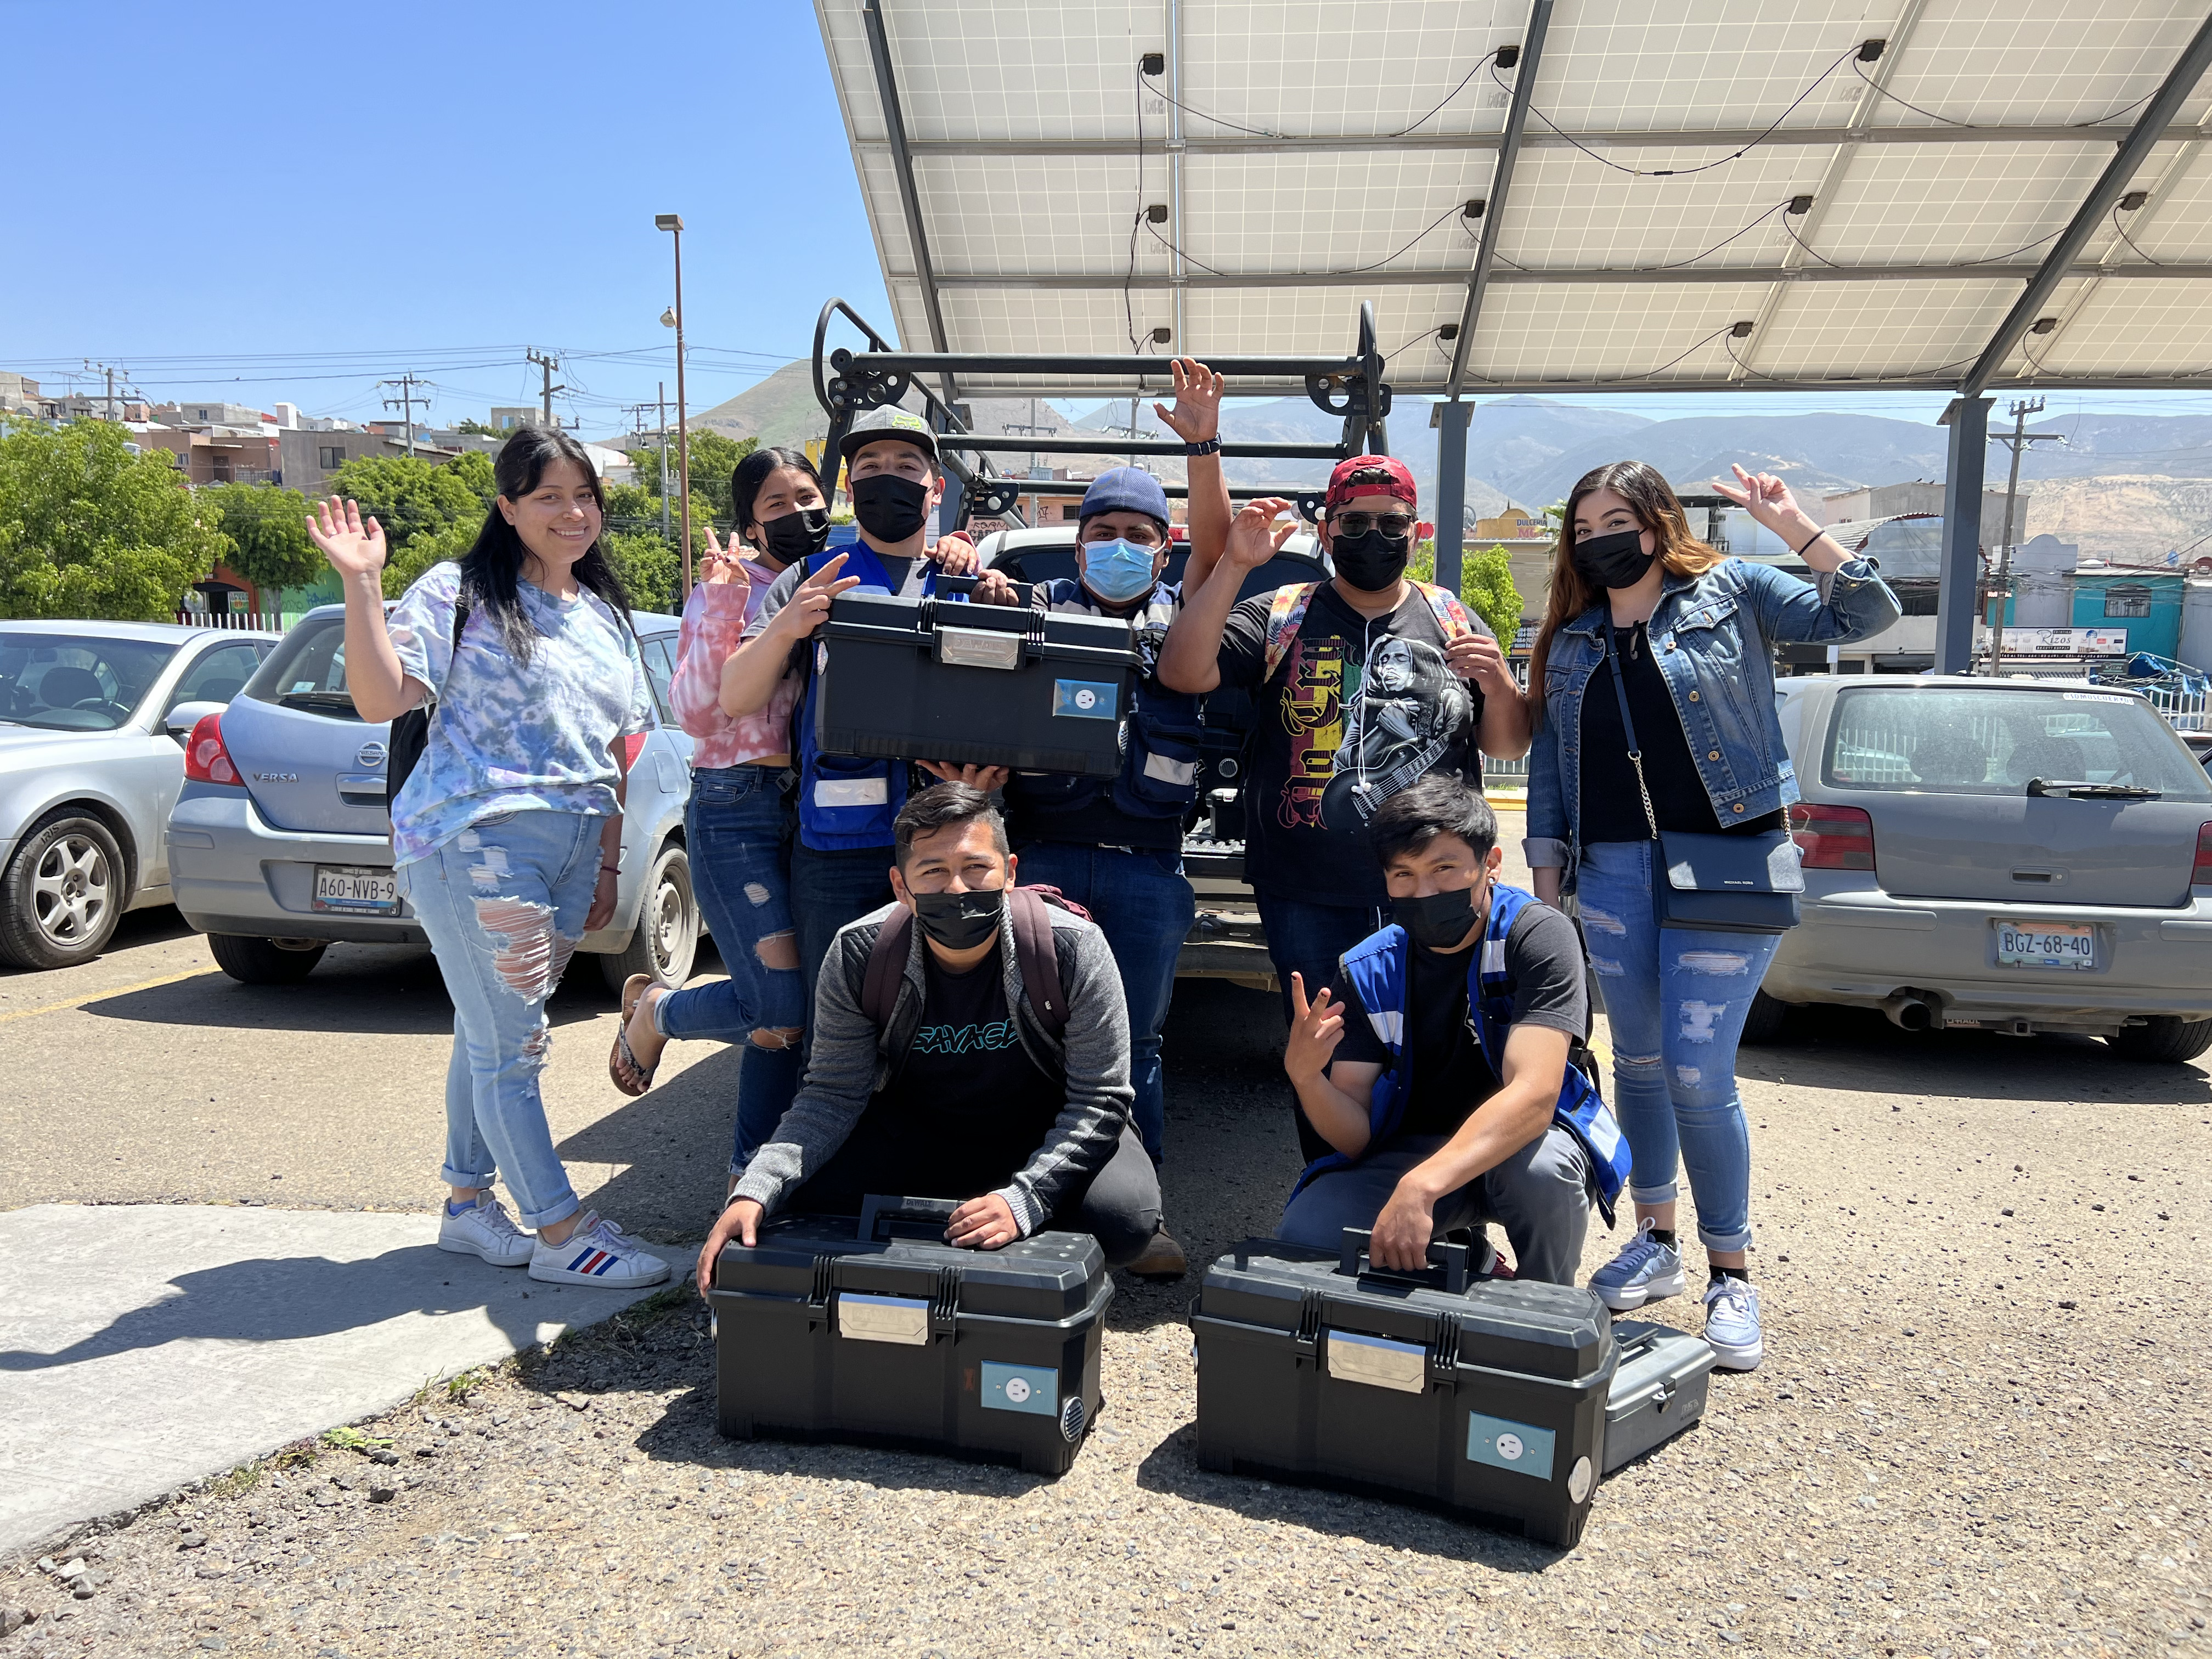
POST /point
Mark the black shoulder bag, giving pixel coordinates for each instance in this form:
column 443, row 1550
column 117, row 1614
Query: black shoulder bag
column 411, row 731
column 1720, row 883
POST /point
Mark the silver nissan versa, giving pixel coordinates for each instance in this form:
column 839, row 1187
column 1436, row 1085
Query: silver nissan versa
column 2013, row 855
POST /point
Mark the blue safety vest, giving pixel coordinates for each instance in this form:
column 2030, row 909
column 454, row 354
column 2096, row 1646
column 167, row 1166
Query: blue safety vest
column 1376, row 968
column 1160, row 733
column 845, row 802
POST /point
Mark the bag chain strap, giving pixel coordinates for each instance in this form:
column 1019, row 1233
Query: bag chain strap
column 1628, row 727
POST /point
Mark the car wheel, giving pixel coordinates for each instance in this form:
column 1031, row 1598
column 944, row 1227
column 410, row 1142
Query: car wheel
column 263, row 961
column 64, row 894
column 666, row 937
column 2166, row 1040
column 1763, row 1027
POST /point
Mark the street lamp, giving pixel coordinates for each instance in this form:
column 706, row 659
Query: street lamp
column 673, row 224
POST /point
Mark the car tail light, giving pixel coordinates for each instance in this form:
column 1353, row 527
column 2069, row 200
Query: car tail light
column 206, row 760
column 1833, row 837
column 2200, row 874
column 633, row 746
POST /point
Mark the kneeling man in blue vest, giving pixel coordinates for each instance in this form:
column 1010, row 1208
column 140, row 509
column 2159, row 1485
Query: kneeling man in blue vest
column 1440, row 1066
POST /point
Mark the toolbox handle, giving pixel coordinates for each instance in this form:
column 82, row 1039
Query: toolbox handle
column 966, row 584
column 1446, row 1268
column 884, row 1218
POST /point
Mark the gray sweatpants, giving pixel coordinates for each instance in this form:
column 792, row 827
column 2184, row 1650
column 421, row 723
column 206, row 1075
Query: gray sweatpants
column 1540, row 1195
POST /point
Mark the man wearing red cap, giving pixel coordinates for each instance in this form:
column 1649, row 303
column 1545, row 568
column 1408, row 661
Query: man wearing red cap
column 1360, row 686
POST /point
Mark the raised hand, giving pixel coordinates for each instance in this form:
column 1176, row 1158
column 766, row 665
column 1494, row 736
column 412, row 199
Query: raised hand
column 810, row 605
column 1196, row 416
column 355, row 548
column 721, row 566
column 1316, row 1029
column 1255, row 538
column 1766, row 498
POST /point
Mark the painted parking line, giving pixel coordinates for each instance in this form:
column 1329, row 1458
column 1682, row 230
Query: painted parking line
column 113, row 991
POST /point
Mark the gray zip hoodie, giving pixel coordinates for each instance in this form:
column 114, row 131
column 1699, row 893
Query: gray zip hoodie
column 852, row 1061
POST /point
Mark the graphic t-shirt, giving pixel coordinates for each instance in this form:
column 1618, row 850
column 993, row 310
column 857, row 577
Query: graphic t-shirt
column 1359, row 708
column 968, row 1107
column 1451, row 1075
column 507, row 736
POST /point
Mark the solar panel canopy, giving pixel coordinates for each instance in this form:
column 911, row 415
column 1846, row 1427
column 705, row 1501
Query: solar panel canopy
column 1722, row 193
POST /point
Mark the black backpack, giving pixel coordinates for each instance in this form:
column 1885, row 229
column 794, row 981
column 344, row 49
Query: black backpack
column 411, row 732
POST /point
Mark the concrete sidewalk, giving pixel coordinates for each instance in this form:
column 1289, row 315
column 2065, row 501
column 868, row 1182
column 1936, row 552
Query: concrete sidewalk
column 145, row 1346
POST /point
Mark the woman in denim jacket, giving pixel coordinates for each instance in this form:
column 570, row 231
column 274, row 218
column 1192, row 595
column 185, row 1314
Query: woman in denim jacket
column 1696, row 632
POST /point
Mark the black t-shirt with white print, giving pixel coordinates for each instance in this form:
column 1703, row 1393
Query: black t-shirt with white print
column 1358, row 708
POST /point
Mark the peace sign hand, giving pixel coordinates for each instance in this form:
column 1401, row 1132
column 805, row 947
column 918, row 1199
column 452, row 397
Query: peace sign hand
column 1315, row 1031
column 355, row 548
column 721, row 567
column 1196, row 416
column 810, row 605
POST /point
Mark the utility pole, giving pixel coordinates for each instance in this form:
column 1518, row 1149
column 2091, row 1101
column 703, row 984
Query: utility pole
column 405, row 402
column 102, row 368
column 1031, row 430
column 673, row 223
column 2016, row 440
column 637, row 413
column 546, row 363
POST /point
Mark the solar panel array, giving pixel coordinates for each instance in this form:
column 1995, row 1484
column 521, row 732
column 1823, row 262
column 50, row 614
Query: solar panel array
column 1292, row 158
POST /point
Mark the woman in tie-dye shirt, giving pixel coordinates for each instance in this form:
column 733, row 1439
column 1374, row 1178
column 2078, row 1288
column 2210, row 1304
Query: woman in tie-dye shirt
column 507, row 835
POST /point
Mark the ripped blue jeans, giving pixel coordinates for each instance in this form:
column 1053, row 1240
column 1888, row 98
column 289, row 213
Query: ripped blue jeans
column 504, row 903
column 1676, row 1001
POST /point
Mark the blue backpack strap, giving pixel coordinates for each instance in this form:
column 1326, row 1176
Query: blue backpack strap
column 1376, row 968
column 844, row 803
column 1581, row 1108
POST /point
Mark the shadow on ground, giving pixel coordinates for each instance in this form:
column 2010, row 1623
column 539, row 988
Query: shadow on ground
column 673, row 1146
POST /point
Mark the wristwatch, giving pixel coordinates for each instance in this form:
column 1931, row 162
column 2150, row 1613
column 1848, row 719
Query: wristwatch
column 1211, row 446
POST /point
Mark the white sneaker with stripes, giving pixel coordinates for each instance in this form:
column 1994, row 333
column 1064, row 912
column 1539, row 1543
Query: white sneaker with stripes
column 598, row 1253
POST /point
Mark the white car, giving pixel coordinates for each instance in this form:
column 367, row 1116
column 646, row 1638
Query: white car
column 93, row 719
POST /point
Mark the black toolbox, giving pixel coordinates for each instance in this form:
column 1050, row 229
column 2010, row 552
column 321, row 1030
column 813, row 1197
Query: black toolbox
column 881, row 1333
column 980, row 685
column 1485, row 1398
column 1658, row 1389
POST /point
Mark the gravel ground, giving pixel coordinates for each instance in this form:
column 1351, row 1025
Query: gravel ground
column 1979, row 1431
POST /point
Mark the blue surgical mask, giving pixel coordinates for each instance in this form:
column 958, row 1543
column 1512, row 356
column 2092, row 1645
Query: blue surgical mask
column 1117, row 571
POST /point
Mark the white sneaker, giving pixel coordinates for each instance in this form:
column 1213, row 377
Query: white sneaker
column 1732, row 1324
column 597, row 1253
column 1644, row 1271
column 485, row 1230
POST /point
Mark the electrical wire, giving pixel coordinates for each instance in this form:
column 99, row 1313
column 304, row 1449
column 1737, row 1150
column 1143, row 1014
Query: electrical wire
column 1682, row 172
column 1952, row 121
column 2131, row 240
column 1671, row 362
column 1807, row 246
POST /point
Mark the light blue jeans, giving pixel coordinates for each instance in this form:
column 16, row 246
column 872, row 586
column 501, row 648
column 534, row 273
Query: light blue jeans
column 1676, row 1000
column 504, row 903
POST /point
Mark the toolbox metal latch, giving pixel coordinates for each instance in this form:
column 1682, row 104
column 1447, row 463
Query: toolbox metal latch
column 1377, row 1362
column 977, row 648
column 883, row 1318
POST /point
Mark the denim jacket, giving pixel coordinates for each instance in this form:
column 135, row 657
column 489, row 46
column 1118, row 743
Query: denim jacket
column 1713, row 637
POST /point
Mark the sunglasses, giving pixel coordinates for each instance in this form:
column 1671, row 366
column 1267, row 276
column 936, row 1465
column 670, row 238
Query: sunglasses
column 1358, row 524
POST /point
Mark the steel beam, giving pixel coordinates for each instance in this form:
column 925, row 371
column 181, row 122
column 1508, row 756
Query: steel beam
column 1451, row 490
column 1108, row 443
column 1958, row 592
column 1501, row 191
column 1728, row 138
column 1138, row 369
column 879, row 51
column 1025, row 380
column 1522, row 277
column 2180, row 84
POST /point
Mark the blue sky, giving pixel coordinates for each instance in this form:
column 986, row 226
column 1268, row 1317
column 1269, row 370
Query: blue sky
column 299, row 207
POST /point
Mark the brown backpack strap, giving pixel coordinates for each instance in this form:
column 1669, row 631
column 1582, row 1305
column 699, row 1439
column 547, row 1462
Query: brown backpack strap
column 886, row 967
column 1040, row 961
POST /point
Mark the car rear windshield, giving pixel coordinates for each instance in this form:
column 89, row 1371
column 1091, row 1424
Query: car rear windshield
column 75, row 683
column 1965, row 740
column 307, row 670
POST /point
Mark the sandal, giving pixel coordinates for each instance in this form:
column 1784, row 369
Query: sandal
column 628, row 1075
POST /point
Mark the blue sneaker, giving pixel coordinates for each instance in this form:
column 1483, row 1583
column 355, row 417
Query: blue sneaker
column 1732, row 1324
column 1644, row 1271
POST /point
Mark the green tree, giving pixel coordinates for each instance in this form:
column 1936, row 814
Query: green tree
column 1485, row 586
column 473, row 468
column 410, row 497
column 88, row 529
column 268, row 530
column 649, row 567
column 474, row 428
column 714, row 458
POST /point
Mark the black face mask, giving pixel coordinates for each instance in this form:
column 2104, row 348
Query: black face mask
column 1615, row 560
column 797, row 536
column 890, row 509
column 1437, row 922
column 960, row 921
column 1372, row 561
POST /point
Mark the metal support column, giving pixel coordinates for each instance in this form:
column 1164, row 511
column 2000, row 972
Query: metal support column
column 1451, row 490
column 1958, row 592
